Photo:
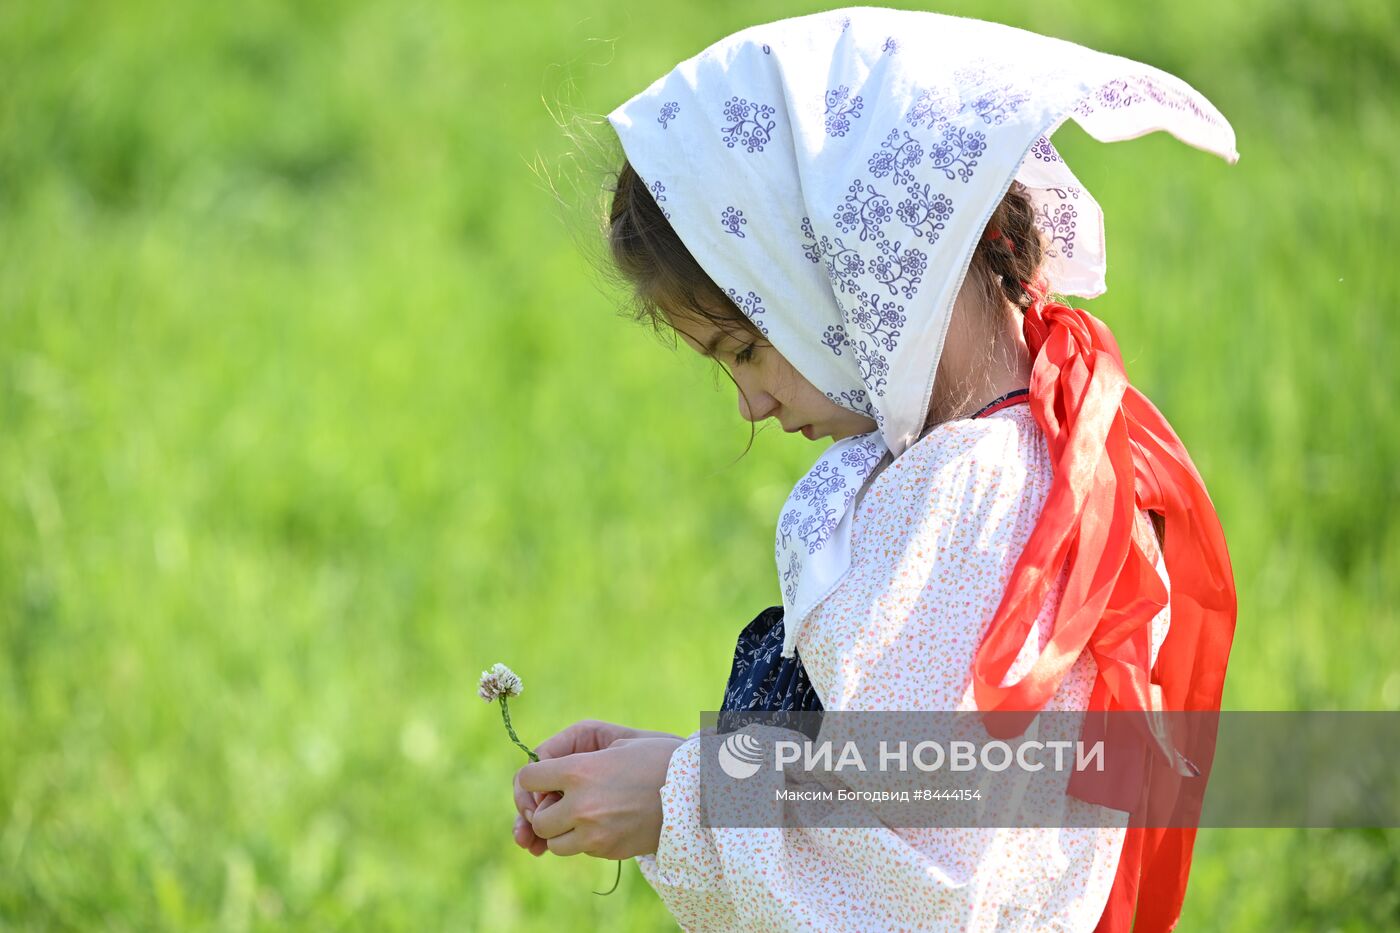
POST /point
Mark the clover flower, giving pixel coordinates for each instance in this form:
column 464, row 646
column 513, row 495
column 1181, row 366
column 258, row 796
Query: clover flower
column 499, row 682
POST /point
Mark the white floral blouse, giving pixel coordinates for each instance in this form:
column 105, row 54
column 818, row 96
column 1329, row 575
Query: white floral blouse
column 935, row 538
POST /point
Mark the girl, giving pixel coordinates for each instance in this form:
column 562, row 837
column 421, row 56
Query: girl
column 859, row 213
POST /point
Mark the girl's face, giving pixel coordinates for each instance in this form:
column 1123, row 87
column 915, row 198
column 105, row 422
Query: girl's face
column 769, row 385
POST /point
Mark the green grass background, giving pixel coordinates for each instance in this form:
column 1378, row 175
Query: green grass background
column 313, row 405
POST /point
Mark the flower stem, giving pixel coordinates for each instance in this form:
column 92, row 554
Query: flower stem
column 615, row 880
column 505, row 714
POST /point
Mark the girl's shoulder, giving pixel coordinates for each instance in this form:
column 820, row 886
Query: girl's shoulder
column 997, row 447
column 963, row 466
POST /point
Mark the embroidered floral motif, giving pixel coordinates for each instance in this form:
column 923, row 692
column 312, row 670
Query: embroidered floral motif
column 818, row 484
column 834, row 337
column 925, row 211
column 1043, row 151
column 750, row 124
column 1066, row 193
column 658, row 193
column 766, row 49
column 1124, row 92
column 890, row 45
column 841, row 109
column 1059, row 227
column 791, row 573
column 668, row 112
column 958, row 151
column 900, row 270
column 994, row 100
column 1116, row 94
column 854, row 399
column 815, row 507
column 878, row 319
column 811, row 507
column 864, row 209
column 786, row 526
column 934, row 108
column 732, row 219
column 752, row 306
column 863, row 457
column 843, row 263
column 874, row 368
column 897, row 156
column 997, row 107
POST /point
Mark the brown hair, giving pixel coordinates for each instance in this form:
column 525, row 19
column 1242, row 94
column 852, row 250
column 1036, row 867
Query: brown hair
column 665, row 278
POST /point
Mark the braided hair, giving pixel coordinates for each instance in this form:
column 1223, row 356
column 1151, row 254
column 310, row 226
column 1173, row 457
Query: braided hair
column 1011, row 250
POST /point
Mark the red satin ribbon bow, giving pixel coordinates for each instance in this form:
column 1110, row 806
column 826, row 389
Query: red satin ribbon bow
column 1114, row 454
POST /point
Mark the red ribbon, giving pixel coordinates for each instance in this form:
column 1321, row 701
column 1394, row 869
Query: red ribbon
column 1113, row 455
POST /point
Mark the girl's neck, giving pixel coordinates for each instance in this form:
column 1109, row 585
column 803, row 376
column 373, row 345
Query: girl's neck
column 984, row 357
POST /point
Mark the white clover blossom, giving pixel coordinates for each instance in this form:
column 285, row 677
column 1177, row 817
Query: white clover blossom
column 499, row 681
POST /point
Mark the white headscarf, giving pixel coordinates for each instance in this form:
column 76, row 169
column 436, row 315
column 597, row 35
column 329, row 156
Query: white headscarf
column 833, row 172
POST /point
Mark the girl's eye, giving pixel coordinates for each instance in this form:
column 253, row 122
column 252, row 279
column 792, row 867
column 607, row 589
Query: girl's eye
column 745, row 355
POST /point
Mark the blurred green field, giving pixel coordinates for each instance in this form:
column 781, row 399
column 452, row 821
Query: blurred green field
column 313, row 408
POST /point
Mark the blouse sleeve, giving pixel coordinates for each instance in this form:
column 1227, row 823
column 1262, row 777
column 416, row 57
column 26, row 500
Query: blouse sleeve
column 936, row 537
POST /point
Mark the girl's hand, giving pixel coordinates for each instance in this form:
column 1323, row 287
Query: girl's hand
column 589, row 735
column 610, row 803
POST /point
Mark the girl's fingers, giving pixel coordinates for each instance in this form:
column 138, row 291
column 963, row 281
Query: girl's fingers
column 522, row 832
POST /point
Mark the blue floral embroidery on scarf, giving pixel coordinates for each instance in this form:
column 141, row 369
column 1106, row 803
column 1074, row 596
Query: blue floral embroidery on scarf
column 668, row 113
column 864, row 209
column 898, row 157
column 732, row 219
column 750, row 124
column 925, row 211
column 843, row 263
column 957, row 152
column 1138, row 89
column 834, row 337
column 1059, row 226
column 813, row 494
column 874, row 368
column 658, row 194
column 752, row 306
column 841, row 109
column 1045, row 152
column 854, row 399
column 996, row 108
column 900, row 270
column 934, row 109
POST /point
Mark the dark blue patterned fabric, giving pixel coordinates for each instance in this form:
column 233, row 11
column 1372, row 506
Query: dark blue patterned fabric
column 761, row 678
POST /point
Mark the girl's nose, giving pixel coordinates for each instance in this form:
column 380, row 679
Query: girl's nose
column 755, row 406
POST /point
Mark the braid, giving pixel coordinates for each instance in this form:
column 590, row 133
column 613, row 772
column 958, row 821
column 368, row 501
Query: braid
column 1012, row 250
